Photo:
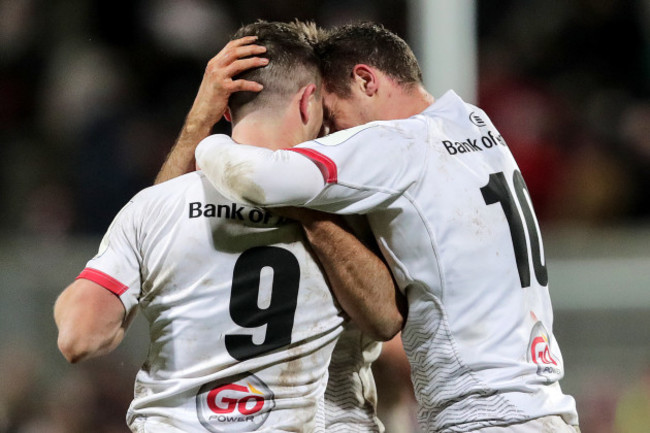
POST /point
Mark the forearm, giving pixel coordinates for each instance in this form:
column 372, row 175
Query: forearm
column 181, row 158
column 360, row 280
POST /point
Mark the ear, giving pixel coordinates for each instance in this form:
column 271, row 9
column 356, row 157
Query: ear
column 306, row 98
column 227, row 114
column 366, row 78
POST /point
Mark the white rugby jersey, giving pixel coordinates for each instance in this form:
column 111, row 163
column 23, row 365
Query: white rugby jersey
column 351, row 394
column 452, row 215
column 242, row 323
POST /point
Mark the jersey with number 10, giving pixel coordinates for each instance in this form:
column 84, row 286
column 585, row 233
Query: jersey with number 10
column 453, row 217
column 242, row 322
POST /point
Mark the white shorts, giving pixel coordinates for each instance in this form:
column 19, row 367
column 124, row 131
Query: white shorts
column 546, row 424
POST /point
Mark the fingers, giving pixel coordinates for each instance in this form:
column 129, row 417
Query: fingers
column 249, row 50
column 239, row 49
column 246, row 64
column 246, row 40
column 240, row 58
column 241, row 66
column 246, row 86
column 237, row 56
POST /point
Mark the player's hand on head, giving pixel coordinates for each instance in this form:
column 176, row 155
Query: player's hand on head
column 237, row 56
column 218, row 81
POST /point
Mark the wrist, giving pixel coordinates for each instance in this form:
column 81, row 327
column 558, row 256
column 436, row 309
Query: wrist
column 194, row 126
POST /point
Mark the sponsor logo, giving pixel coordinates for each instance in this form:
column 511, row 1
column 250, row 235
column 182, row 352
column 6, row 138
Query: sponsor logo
column 540, row 352
column 479, row 144
column 233, row 211
column 239, row 404
column 476, row 119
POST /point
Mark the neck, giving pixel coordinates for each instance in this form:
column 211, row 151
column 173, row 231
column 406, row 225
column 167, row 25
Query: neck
column 266, row 129
column 421, row 99
column 406, row 102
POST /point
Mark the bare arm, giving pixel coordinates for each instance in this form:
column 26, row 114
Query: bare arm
column 90, row 319
column 359, row 278
column 211, row 102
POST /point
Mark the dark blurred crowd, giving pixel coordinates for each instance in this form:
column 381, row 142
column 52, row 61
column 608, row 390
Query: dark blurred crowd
column 93, row 95
column 568, row 86
column 36, row 397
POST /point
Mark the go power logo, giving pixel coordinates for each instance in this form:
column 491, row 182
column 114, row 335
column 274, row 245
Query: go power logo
column 232, row 406
column 540, row 353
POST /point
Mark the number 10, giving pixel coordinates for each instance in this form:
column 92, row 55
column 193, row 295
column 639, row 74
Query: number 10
column 498, row 191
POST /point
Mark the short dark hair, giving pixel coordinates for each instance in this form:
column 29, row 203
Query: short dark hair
column 292, row 64
column 364, row 43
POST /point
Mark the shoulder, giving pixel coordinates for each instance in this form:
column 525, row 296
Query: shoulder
column 374, row 134
column 347, row 135
column 163, row 198
column 176, row 186
column 450, row 109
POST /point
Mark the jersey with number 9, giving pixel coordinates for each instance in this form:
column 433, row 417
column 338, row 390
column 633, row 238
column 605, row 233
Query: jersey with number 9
column 242, row 323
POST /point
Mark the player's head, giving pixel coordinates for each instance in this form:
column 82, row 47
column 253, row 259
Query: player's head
column 292, row 74
column 355, row 58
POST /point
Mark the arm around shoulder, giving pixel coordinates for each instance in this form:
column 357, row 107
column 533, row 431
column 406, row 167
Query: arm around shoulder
column 257, row 175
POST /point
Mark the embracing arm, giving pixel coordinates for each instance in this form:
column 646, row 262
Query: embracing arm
column 211, row 102
column 257, row 175
column 359, row 278
column 354, row 171
column 90, row 319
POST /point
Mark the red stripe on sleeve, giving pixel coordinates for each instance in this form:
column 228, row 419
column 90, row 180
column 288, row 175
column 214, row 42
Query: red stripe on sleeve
column 104, row 280
column 325, row 164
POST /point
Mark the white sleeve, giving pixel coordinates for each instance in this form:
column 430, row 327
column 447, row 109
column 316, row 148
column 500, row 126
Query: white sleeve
column 256, row 175
column 116, row 267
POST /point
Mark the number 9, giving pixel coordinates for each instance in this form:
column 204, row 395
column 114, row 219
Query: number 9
column 244, row 308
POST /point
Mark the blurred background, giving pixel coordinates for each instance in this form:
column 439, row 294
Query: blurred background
column 94, row 93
